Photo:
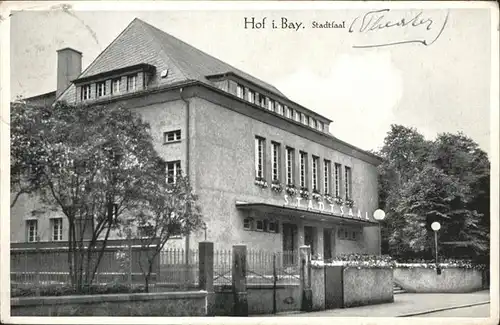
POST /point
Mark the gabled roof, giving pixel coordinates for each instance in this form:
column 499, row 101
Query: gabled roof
column 141, row 43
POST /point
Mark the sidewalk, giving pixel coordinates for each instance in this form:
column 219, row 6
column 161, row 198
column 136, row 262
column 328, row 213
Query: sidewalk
column 404, row 304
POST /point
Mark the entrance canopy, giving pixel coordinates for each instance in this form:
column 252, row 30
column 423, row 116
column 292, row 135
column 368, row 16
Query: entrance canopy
column 305, row 213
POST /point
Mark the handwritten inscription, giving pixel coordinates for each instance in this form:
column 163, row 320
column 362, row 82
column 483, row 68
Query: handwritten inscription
column 375, row 21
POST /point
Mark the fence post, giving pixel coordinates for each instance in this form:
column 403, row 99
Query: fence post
column 37, row 270
column 305, row 278
column 275, row 280
column 206, row 273
column 239, row 279
column 129, row 279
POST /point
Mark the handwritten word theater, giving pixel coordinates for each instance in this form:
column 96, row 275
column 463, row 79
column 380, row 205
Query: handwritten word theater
column 267, row 171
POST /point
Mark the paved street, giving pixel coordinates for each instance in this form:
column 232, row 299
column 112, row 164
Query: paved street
column 409, row 303
column 473, row 311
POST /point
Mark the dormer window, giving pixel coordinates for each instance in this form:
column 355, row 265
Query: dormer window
column 312, row 123
column 305, row 119
column 251, row 96
column 279, row 108
column 115, row 86
column 270, row 105
column 262, row 101
column 85, row 92
column 100, row 89
column 320, row 125
column 288, row 112
column 240, row 91
column 132, row 82
column 297, row 116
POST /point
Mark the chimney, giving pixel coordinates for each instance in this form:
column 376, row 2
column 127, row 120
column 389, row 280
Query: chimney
column 69, row 67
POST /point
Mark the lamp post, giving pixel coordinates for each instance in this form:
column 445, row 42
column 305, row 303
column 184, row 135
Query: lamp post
column 436, row 226
column 379, row 215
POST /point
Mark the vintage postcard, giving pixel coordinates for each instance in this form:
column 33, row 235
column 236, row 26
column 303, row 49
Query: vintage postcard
column 249, row 162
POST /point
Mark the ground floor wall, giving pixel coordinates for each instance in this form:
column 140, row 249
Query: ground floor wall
column 226, row 226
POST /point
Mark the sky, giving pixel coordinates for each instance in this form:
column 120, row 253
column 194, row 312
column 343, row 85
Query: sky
column 443, row 86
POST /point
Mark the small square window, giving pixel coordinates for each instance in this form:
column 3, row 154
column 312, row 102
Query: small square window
column 247, row 223
column 273, row 227
column 172, row 136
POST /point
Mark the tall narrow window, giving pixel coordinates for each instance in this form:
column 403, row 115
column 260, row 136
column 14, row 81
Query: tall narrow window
column 56, row 226
column 315, row 163
column 348, row 183
column 320, row 126
column 85, row 92
column 100, row 89
column 275, row 160
column 115, row 86
column 337, row 179
column 31, row 230
column 289, row 165
column 303, row 162
column 251, row 96
column 297, row 116
column 326, row 176
column 240, row 91
column 288, row 112
column 132, row 82
column 173, row 171
column 312, row 123
column 259, row 157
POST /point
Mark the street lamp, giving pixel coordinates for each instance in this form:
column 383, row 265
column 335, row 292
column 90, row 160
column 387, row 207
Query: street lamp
column 436, row 226
column 379, row 215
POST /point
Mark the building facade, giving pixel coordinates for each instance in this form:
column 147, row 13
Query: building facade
column 267, row 171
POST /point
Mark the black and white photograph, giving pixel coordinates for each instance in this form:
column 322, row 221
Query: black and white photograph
column 249, row 162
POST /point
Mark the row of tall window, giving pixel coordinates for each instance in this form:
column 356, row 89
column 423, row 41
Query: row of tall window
column 335, row 183
column 101, row 89
column 56, row 229
column 279, row 108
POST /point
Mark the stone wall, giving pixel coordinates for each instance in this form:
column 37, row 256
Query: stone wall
column 367, row 286
column 421, row 279
column 260, row 299
column 137, row 304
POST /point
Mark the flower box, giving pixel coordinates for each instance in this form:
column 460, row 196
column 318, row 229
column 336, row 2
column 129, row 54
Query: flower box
column 291, row 190
column 276, row 186
column 259, row 181
column 304, row 192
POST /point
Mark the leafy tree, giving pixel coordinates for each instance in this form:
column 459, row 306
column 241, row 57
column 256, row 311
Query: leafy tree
column 90, row 163
column 445, row 180
column 171, row 210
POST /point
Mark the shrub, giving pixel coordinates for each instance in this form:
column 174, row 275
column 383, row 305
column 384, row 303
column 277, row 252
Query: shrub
column 446, row 263
column 359, row 261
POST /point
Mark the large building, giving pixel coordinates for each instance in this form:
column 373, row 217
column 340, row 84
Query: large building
column 267, row 171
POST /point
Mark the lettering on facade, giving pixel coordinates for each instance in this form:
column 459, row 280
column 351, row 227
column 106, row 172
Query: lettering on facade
column 322, row 207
